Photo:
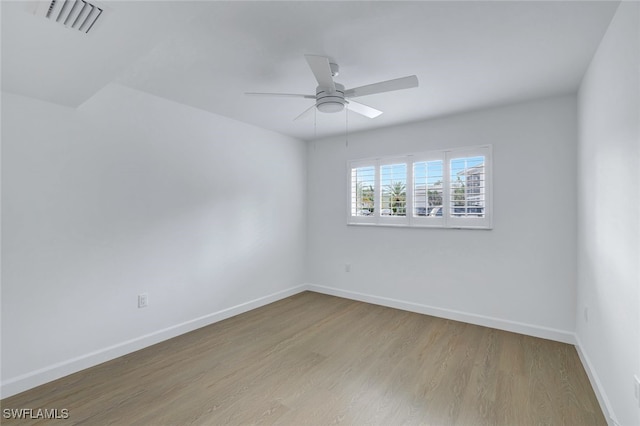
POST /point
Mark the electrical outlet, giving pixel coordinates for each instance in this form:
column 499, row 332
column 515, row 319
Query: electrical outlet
column 143, row 300
column 347, row 267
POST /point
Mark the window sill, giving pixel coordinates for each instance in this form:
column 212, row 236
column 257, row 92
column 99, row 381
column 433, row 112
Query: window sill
column 406, row 225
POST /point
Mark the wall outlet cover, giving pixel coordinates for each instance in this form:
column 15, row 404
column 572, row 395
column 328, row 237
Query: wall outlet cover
column 143, row 300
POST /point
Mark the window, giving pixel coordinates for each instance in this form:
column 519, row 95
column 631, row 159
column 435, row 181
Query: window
column 427, row 188
column 449, row 188
column 393, row 189
column 363, row 183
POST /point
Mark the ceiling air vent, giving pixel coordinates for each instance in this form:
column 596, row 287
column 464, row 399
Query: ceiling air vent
column 77, row 14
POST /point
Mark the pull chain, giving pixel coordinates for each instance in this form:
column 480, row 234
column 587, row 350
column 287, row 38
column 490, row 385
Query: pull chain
column 315, row 124
column 346, row 128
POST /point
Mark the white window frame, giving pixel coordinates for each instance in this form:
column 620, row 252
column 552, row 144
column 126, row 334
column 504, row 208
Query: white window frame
column 447, row 220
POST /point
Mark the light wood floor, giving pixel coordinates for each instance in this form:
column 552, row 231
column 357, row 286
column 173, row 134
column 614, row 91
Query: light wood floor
column 317, row 359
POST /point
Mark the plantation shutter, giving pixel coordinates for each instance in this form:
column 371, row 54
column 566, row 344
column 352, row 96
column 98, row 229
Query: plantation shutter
column 394, row 200
column 362, row 189
column 469, row 179
column 447, row 188
column 428, row 190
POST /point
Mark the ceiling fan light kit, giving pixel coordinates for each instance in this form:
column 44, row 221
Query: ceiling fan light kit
column 332, row 97
column 327, row 101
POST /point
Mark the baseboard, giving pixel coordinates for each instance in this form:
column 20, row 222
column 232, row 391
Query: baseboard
column 596, row 384
column 483, row 320
column 55, row 371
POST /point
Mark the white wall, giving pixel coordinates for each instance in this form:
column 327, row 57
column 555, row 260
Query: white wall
column 131, row 193
column 519, row 276
column 609, row 215
column 128, row 194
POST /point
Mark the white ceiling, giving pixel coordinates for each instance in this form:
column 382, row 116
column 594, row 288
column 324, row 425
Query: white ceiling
column 467, row 55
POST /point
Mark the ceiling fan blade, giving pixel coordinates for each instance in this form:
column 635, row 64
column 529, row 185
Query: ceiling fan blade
column 383, row 86
column 321, row 70
column 363, row 109
column 281, row 95
column 305, row 113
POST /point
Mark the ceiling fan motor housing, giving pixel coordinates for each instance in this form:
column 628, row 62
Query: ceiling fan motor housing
column 330, row 101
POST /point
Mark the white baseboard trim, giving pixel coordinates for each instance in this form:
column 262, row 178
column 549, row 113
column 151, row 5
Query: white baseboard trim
column 596, row 384
column 55, row 371
column 486, row 321
column 52, row 372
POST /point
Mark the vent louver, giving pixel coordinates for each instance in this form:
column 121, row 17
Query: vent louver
column 77, row 14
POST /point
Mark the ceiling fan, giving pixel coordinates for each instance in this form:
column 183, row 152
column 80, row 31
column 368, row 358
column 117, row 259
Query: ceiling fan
column 332, row 97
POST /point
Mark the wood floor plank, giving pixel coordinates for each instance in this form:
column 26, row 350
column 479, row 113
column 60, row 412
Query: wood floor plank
column 319, row 360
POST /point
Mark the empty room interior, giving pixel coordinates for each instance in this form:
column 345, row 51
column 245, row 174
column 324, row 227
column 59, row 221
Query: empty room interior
column 319, row 212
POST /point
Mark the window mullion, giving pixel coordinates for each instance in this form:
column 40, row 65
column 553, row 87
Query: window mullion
column 409, row 191
column 377, row 201
column 446, row 185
